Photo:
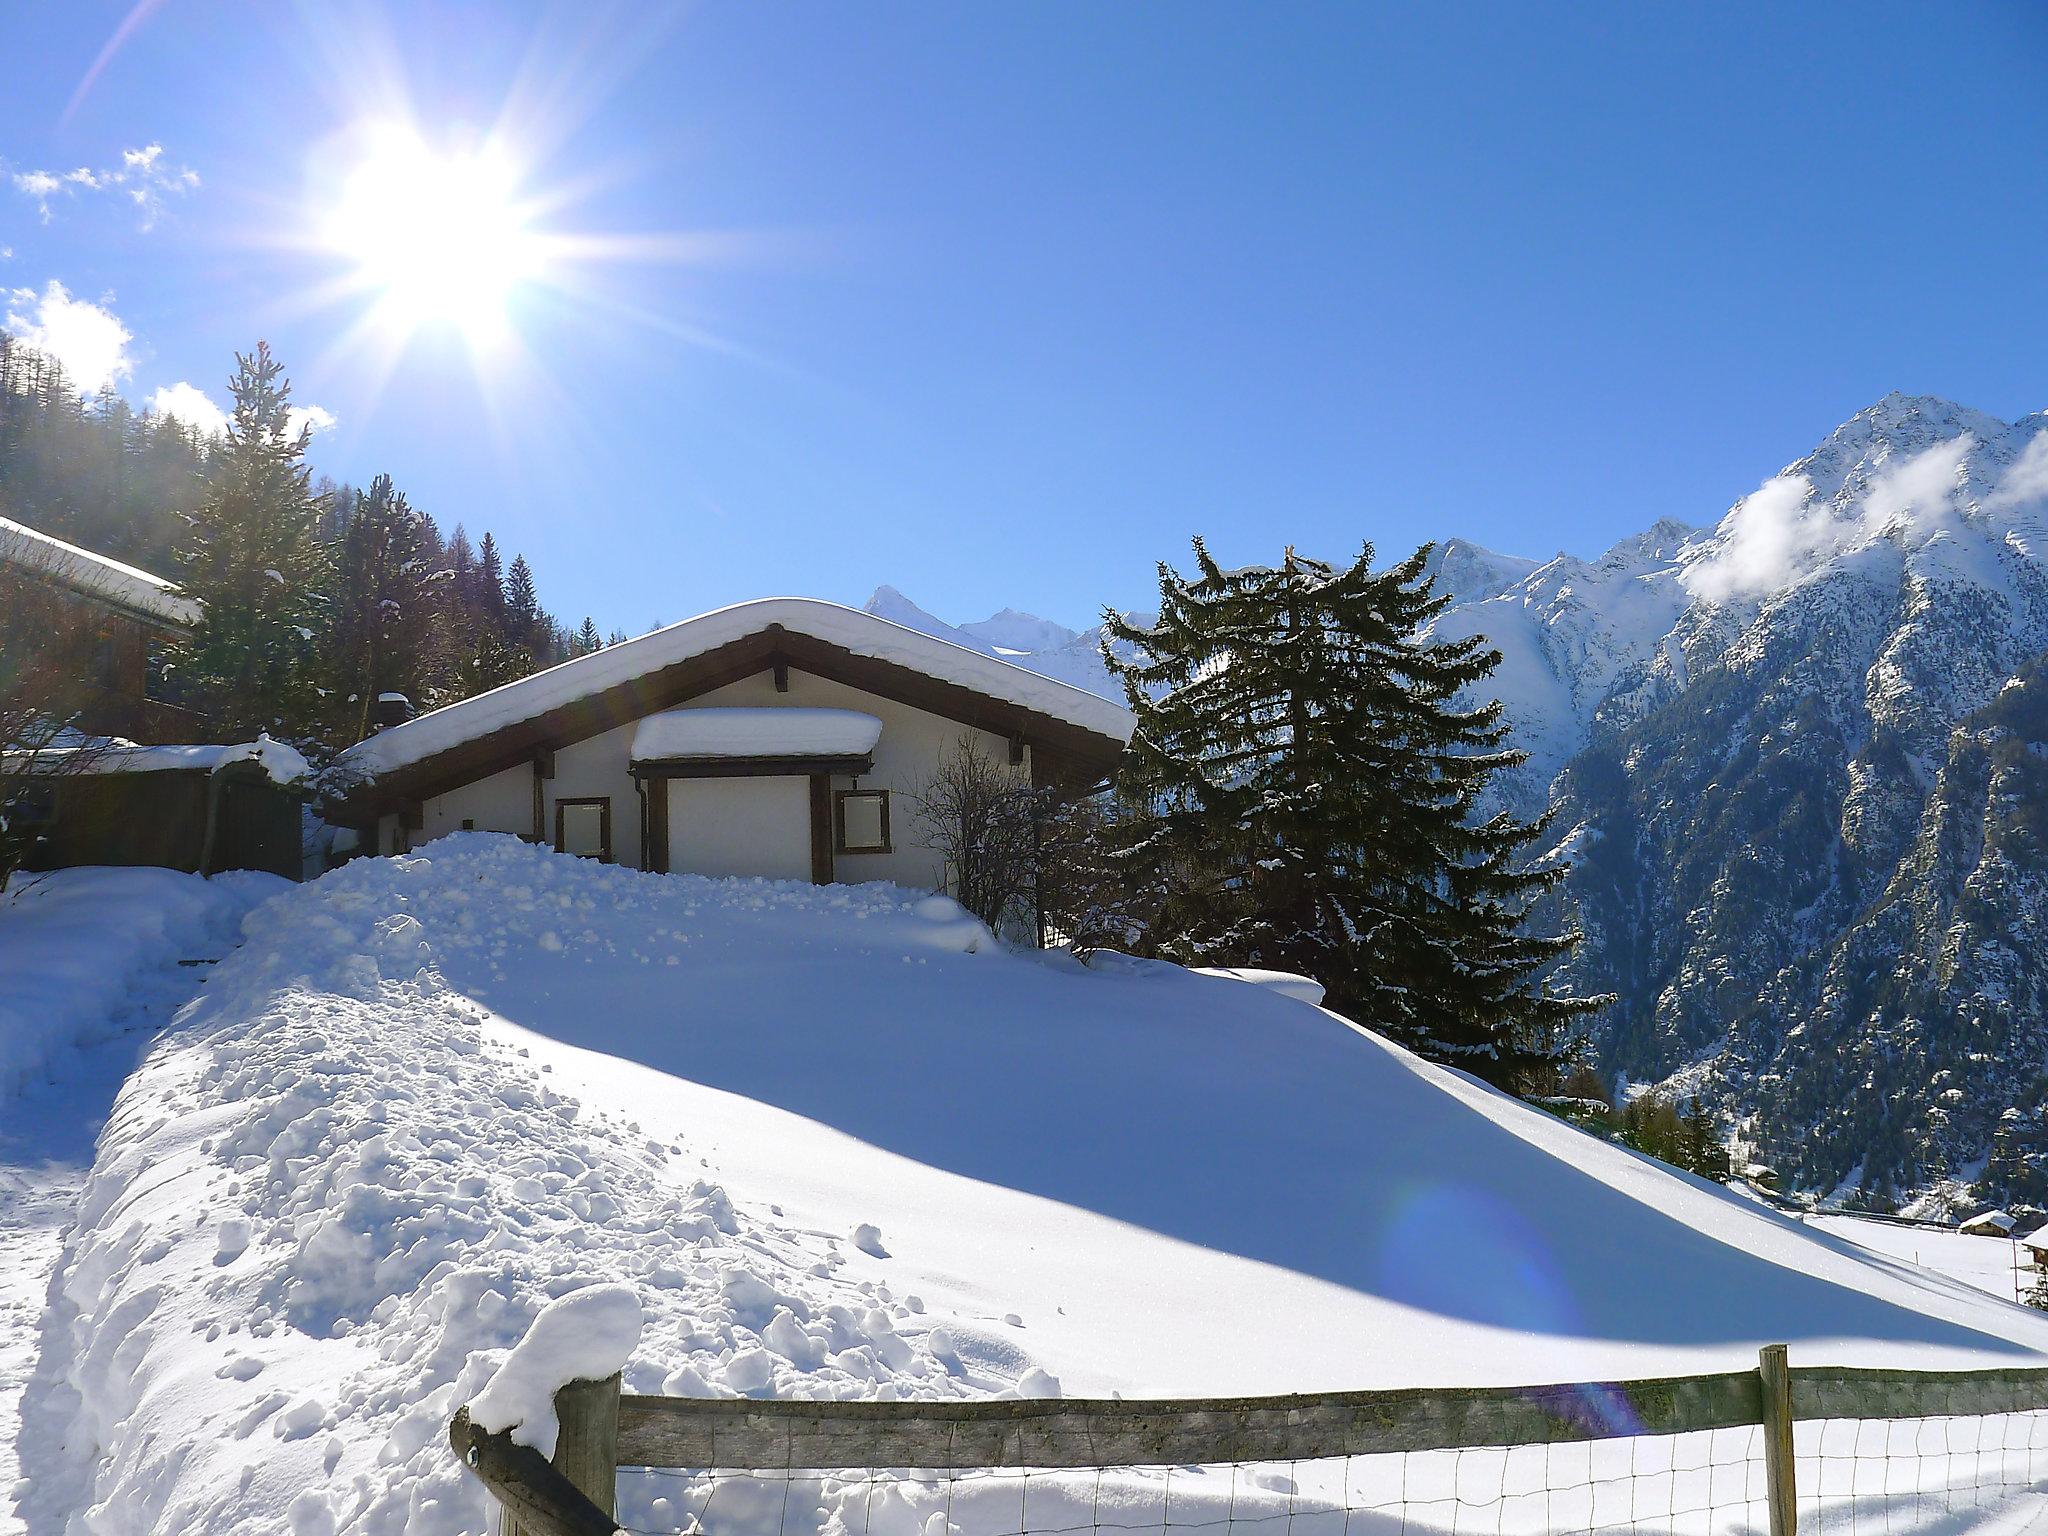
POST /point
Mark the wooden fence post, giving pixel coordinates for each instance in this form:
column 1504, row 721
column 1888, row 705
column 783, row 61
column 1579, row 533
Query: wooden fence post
column 587, row 1450
column 1775, row 1371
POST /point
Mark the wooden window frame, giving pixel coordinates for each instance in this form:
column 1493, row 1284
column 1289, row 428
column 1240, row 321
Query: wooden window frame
column 604, row 824
column 839, row 799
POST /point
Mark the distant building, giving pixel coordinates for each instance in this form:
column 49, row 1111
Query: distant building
column 133, row 614
column 2036, row 1244
column 1990, row 1224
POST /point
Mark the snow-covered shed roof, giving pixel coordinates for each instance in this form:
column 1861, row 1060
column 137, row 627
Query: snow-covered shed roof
column 1067, row 727
column 752, row 733
column 96, row 575
column 281, row 763
column 2036, row 1240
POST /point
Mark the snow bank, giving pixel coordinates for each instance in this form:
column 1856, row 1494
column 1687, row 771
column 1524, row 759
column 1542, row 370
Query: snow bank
column 76, row 944
column 861, row 633
column 834, row 1152
column 1287, row 983
column 721, row 732
column 586, row 1335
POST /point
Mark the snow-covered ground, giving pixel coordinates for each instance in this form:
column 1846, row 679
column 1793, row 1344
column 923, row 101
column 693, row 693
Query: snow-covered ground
column 1995, row 1265
column 840, row 1144
column 89, row 965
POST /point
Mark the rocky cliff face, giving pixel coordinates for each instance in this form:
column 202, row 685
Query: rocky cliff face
column 1799, row 818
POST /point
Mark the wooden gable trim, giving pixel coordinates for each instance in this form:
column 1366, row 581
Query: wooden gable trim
column 1078, row 751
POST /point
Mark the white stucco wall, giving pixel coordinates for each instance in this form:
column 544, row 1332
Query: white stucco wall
column 913, row 744
column 501, row 803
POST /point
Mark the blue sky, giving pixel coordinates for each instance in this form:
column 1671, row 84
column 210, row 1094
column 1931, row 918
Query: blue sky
column 1001, row 304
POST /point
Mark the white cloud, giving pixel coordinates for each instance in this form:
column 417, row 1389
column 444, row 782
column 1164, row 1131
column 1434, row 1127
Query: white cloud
column 143, row 176
column 313, row 418
column 191, row 405
column 1770, row 532
column 1780, row 531
column 88, row 339
column 2026, row 481
column 188, row 404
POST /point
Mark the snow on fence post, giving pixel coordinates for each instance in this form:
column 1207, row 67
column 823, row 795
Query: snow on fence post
column 586, row 1452
column 543, row 1434
column 1774, row 1369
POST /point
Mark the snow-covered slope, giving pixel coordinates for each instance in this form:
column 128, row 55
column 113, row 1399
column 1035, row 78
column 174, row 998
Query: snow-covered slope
column 840, row 1144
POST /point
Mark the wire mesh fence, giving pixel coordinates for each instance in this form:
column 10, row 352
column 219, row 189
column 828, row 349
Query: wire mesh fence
column 1775, row 1450
column 1984, row 1473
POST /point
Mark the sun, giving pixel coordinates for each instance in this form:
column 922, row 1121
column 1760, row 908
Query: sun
column 437, row 239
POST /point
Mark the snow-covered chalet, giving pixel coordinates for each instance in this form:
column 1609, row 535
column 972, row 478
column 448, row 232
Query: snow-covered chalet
column 784, row 738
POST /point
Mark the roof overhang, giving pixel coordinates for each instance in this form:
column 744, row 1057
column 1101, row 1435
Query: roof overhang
column 751, row 767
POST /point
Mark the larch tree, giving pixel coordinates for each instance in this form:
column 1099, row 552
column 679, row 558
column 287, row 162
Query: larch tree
column 1305, row 784
column 255, row 560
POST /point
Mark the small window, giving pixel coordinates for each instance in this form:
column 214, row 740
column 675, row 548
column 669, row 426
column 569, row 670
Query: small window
column 584, row 828
column 862, row 820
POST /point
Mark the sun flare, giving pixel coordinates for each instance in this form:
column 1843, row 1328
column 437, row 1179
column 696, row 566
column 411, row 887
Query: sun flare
column 437, row 239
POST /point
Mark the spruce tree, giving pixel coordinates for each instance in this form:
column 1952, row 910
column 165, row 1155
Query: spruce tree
column 490, row 584
column 255, row 560
column 525, row 625
column 383, row 634
column 1309, row 783
column 587, row 638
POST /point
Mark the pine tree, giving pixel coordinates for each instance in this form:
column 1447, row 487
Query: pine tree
column 1311, row 782
column 255, row 561
column 587, row 638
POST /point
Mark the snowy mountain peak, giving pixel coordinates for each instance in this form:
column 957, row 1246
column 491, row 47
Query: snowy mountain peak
column 1039, row 645
column 1466, row 572
column 1893, row 430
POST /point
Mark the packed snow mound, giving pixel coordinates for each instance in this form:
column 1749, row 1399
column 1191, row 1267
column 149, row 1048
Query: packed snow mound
column 75, row 943
column 838, row 1144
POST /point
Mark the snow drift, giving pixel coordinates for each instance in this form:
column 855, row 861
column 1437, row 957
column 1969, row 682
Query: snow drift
column 838, row 1144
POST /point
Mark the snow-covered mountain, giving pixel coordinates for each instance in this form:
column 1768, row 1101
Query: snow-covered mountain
column 1048, row 648
column 1800, row 758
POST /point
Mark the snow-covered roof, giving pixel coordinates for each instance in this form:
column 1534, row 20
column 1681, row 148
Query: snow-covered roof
column 2037, row 1240
column 1998, row 1221
column 96, row 574
column 283, row 764
column 769, row 732
column 621, row 665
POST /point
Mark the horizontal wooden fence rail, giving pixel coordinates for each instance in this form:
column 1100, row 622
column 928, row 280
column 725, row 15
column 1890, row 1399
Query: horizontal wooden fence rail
column 1081, row 1432
column 603, row 1430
